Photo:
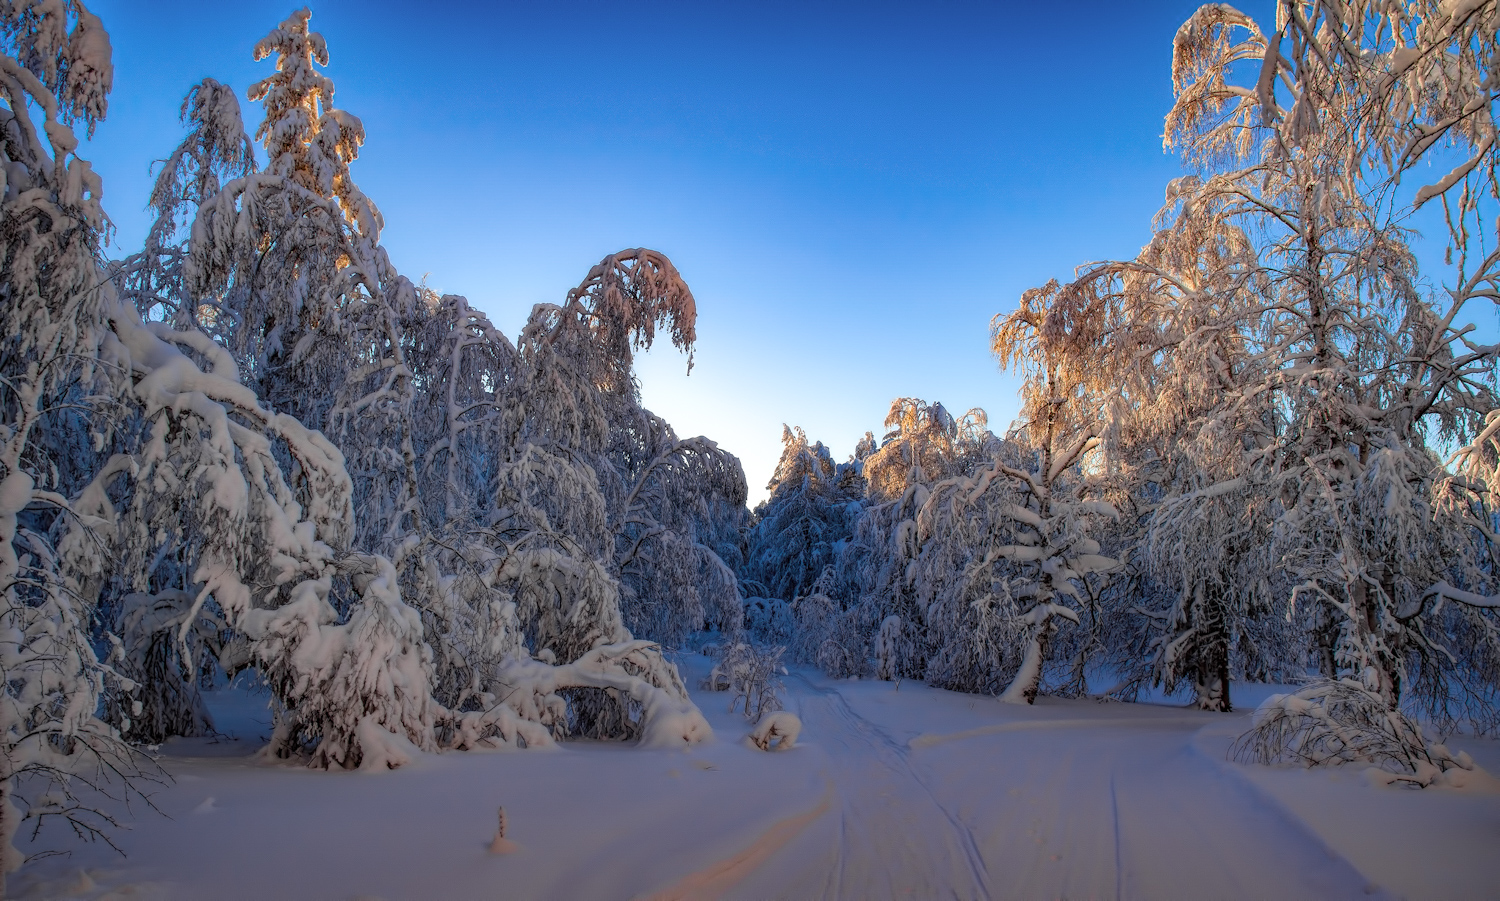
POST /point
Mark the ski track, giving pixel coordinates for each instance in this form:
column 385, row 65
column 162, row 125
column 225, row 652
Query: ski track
column 1063, row 808
column 896, row 839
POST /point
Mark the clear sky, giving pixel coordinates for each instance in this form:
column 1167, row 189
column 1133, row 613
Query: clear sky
column 851, row 190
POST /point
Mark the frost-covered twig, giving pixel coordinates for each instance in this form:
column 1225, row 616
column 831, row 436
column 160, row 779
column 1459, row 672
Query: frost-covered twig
column 750, row 674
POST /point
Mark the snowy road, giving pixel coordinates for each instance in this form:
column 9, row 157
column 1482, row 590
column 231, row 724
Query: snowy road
column 895, row 838
column 1127, row 811
column 1114, row 806
column 892, row 792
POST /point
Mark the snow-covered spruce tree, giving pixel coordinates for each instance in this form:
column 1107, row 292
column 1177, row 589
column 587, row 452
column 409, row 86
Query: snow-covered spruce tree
column 800, row 528
column 290, row 254
column 318, row 309
column 55, row 71
column 1363, row 366
column 793, row 549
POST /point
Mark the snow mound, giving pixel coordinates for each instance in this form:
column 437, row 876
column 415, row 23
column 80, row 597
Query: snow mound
column 778, row 731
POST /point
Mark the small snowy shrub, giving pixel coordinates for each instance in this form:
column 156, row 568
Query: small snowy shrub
column 1333, row 722
column 749, row 674
column 500, row 844
column 888, row 647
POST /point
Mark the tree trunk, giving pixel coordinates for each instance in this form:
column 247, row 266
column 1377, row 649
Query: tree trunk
column 1023, row 688
column 1377, row 666
column 1325, row 640
column 1212, row 664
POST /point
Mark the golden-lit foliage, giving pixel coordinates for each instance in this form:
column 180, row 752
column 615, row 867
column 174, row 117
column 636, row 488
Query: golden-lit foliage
column 628, row 296
column 924, row 443
column 1213, row 119
column 1057, row 338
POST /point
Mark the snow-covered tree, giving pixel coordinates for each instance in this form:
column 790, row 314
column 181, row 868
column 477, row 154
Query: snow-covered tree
column 215, row 150
column 481, row 469
column 1027, row 525
column 800, row 529
column 55, row 71
column 1178, row 379
column 290, row 254
column 1273, row 371
column 923, row 445
column 193, row 486
column 670, row 531
column 1364, row 366
column 270, row 253
column 566, row 523
column 925, row 587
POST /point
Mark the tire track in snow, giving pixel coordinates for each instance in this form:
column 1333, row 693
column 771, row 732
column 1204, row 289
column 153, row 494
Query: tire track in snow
column 930, row 739
column 1114, row 807
column 895, row 838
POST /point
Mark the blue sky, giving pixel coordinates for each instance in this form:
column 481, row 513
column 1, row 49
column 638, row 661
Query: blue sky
column 851, row 190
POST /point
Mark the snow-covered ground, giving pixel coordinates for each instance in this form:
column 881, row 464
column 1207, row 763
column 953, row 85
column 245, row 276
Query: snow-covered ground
column 893, row 791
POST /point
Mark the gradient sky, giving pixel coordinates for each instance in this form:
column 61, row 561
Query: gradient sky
column 851, row 190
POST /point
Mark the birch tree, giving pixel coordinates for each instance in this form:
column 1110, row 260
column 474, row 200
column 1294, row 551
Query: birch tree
column 1037, row 554
column 1365, row 366
column 55, row 72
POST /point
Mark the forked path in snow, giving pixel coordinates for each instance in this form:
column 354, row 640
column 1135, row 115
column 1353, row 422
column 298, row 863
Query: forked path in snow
column 1064, row 800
